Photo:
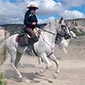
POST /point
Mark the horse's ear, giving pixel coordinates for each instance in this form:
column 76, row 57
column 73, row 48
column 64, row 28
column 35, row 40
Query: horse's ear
column 58, row 21
column 49, row 24
column 55, row 20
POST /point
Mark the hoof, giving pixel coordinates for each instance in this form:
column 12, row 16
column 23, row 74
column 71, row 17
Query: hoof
column 41, row 71
column 37, row 73
column 19, row 79
column 21, row 64
column 50, row 81
column 55, row 76
column 26, row 80
column 57, row 71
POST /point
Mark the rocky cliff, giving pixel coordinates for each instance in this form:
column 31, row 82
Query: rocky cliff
column 79, row 24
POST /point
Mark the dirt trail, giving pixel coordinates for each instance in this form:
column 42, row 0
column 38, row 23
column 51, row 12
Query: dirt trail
column 72, row 68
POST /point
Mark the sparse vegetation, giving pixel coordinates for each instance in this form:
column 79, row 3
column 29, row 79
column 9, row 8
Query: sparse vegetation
column 80, row 33
column 2, row 81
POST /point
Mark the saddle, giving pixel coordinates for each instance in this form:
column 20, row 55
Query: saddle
column 24, row 40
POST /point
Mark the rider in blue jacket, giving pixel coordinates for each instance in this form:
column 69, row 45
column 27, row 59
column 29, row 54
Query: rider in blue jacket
column 30, row 22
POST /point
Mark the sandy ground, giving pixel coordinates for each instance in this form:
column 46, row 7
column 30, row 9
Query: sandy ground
column 72, row 68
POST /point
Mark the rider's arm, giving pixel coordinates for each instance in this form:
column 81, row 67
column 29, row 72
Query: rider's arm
column 27, row 17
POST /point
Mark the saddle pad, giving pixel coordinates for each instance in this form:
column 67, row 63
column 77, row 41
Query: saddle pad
column 22, row 41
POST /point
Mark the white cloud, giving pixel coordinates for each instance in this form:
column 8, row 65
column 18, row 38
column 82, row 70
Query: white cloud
column 72, row 14
column 11, row 12
column 40, row 21
column 49, row 7
column 14, row 12
column 74, row 2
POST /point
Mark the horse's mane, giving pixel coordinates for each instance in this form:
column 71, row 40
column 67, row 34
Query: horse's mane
column 50, row 24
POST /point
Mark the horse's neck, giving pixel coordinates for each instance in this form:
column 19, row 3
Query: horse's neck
column 50, row 35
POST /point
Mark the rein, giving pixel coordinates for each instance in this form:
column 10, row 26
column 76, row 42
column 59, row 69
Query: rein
column 49, row 32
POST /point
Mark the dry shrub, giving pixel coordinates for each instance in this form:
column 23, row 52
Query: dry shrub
column 2, row 53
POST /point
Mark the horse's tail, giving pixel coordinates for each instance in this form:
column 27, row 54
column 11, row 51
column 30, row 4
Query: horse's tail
column 2, row 53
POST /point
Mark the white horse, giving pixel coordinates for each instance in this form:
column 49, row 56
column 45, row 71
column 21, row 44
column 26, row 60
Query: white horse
column 44, row 48
column 63, row 43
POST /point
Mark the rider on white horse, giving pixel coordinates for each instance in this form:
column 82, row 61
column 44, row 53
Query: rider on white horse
column 30, row 22
column 44, row 47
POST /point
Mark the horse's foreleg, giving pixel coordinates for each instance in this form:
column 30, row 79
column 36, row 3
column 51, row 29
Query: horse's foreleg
column 64, row 49
column 46, row 61
column 39, row 61
column 21, row 64
column 54, row 59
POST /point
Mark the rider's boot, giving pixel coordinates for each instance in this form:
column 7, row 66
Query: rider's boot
column 30, row 47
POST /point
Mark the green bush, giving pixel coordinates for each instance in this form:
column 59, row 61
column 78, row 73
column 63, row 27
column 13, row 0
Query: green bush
column 80, row 33
column 2, row 81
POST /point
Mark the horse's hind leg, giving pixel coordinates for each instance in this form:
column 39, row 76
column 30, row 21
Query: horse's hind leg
column 13, row 54
column 18, row 58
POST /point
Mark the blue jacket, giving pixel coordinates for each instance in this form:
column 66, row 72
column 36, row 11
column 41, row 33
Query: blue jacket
column 29, row 18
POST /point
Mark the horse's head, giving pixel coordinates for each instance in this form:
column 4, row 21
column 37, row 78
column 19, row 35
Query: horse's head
column 54, row 28
column 57, row 28
column 64, row 31
column 67, row 33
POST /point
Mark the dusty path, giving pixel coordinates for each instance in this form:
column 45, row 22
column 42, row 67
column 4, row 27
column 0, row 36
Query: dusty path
column 72, row 68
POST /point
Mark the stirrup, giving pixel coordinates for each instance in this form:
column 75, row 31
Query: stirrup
column 29, row 51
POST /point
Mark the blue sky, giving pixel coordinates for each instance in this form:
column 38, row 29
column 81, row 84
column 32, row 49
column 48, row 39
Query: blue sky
column 12, row 11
